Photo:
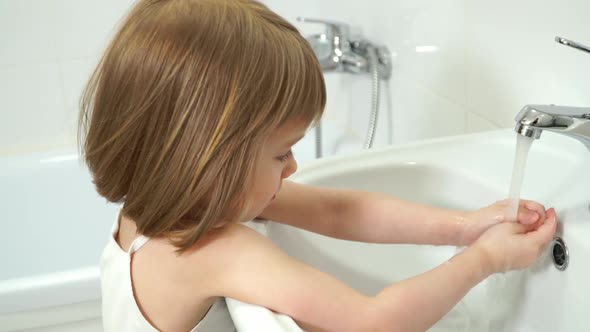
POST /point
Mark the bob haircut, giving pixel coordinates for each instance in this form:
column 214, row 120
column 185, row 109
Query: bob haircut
column 174, row 115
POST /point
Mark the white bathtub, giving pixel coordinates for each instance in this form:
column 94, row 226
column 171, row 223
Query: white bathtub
column 54, row 227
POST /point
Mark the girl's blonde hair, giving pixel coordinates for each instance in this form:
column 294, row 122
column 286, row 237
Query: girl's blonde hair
column 173, row 117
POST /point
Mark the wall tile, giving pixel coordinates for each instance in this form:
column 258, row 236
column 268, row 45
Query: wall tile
column 421, row 114
column 74, row 74
column 512, row 59
column 83, row 27
column 32, row 110
column 436, row 46
column 490, row 59
column 476, row 123
column 26, row 32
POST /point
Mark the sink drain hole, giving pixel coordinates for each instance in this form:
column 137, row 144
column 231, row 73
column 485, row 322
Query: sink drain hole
column 560, row 254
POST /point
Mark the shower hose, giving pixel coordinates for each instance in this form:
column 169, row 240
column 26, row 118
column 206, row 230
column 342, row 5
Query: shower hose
column 374, row 69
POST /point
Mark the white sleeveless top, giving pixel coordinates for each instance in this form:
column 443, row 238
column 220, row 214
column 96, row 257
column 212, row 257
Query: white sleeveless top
column 119, row 309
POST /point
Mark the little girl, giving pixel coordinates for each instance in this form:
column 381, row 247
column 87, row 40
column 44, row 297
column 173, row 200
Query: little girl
column 189, row 121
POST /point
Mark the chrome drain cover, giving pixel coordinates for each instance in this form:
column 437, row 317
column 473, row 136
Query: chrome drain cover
column 560, row 254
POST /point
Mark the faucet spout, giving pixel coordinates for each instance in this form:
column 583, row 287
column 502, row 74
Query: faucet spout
column 567, row 120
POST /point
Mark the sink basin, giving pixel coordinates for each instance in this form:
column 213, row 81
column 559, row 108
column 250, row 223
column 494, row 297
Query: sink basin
column 463, row 172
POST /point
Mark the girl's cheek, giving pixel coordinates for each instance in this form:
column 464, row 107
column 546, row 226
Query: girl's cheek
column 278, row 172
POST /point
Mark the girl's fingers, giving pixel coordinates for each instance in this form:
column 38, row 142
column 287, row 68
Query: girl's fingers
column 528, row 217
column 544, row 234
column 534, row 206
column 513, row 227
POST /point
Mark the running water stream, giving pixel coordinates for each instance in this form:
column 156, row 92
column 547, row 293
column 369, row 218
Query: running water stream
column 501, row 291
column 523, row 145
column 502, row 306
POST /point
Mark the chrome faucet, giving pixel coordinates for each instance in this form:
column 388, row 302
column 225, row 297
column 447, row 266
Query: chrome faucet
column 567, row 120
column 571, row 121
column 337, row 52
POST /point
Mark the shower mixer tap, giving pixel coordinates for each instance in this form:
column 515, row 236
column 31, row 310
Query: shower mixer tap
column 337, row 52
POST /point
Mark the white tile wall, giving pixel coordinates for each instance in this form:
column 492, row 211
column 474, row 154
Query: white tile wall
column 512, row 59
column 420, row 113
column 26, row 32
column 32, row 108
column 489, row 59
column 83, row 27
column 74, row 74
column 47, row 50
column 477, row 123
column 425, row 97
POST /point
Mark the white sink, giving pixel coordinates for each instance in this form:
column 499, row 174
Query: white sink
column 463, row 172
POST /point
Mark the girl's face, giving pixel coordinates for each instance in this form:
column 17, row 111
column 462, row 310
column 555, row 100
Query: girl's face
column 275, row 163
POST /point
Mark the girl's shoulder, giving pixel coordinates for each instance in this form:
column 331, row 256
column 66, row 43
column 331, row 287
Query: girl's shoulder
column 223, row 251
column 220, row 248
column 232, row 258
column 249, row 267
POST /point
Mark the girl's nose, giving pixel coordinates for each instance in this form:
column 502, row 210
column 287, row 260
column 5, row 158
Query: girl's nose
column 290, row 168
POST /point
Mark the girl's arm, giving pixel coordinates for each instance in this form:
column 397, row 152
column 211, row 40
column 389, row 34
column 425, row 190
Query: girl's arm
column 249, row 267
column 255, row 271
column 379, row 218
column 365, row 216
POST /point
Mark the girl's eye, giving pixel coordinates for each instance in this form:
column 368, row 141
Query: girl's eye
column 285, row 157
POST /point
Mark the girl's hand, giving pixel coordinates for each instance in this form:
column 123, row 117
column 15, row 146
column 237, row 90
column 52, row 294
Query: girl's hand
column 511, row 246
column 530, row 214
